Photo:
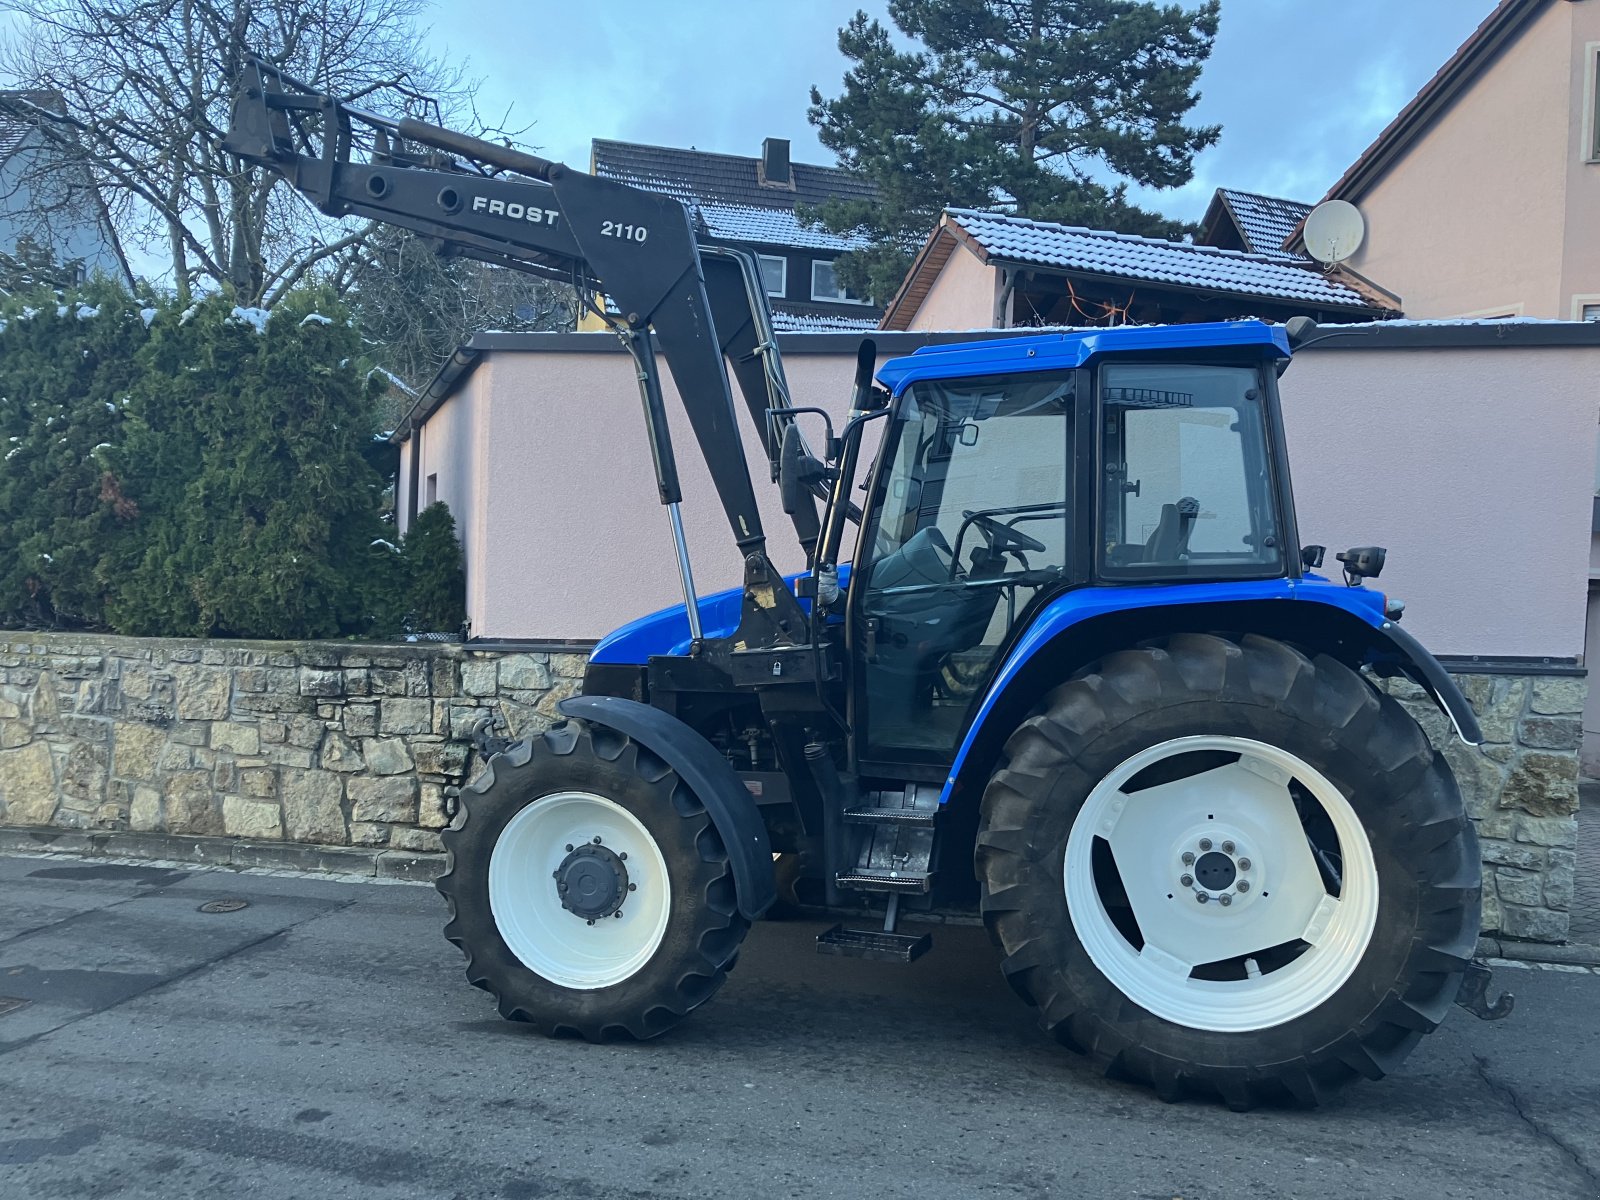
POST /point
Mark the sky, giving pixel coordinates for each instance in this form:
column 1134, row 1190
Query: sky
column 1300, row 87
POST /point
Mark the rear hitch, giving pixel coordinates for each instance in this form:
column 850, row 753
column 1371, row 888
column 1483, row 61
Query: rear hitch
column 1473, row 993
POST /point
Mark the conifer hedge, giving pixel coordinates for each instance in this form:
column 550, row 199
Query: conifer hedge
column 192, row 471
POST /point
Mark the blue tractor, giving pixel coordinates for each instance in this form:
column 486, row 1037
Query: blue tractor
column 1072, row 671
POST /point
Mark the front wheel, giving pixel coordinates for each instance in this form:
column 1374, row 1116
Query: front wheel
column 1222, row 867
column 589, row 888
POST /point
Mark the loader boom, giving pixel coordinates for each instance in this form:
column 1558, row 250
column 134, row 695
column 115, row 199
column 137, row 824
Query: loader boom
column 699, row 305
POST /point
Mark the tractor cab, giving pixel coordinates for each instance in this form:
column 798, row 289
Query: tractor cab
column 1014, row 471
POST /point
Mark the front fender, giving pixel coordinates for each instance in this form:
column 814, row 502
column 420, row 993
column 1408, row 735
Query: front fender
column 708, row 776
column 1346, row 622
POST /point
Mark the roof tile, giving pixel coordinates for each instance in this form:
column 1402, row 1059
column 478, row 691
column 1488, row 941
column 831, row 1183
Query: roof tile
column 727, row 191
column 1265, row 221
column 1124, row 255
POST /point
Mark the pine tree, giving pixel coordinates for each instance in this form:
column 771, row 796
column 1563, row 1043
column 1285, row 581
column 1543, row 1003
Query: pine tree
column 1041, row 108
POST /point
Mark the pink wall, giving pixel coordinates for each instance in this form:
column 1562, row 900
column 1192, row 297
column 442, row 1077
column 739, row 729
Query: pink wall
column 562, row 496
column 962, row 296
column 1472, row 466
column 1477, row 215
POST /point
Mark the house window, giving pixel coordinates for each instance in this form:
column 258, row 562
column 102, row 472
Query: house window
column 433, row 490
column 1590, row 312
column 825, row 286
column 774, row 274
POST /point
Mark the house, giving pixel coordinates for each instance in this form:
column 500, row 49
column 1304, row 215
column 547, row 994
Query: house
column 981, row 270
column 1482, row 197
column 750, row 203
column 51, row 203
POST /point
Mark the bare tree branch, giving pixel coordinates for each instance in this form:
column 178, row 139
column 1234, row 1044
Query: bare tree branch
column 145, row 91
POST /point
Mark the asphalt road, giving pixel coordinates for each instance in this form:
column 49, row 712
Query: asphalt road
column 322, row 1043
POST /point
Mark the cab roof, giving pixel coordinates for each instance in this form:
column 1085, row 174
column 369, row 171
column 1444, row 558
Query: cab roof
column 1077, row 348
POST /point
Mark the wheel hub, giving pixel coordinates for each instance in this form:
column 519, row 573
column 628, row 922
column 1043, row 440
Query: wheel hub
column 1215, row 871
column 1213, row 865
column 592, row 881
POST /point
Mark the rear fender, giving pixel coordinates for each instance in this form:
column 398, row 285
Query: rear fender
column 1079, row 627
column 708, row 776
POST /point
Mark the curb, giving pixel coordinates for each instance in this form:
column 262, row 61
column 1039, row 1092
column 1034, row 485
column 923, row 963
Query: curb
column 1575, row 954
column 346, row 861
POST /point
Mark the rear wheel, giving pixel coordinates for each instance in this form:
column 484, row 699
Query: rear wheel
column 1224, row 868
column 589, row 888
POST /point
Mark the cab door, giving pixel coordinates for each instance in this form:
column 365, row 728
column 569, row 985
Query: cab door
column 969, row 523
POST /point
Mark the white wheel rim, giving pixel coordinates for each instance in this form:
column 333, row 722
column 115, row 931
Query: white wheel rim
column 1246, row 804
column 565, row 948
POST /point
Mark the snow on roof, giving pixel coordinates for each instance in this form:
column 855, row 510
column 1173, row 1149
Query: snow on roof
column 1265, row 221
column 1127, row 256
column 775, row 227
column 796, row 322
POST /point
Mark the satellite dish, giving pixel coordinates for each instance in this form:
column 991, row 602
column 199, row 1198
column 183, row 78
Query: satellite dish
column 1333, row 231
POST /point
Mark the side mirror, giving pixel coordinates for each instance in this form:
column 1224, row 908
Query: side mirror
column 1299, row 330
column 797, row 470
column 1311, row 556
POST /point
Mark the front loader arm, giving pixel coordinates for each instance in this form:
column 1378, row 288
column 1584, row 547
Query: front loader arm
column 638, row 247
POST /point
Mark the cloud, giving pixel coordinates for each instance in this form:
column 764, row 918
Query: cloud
column 1300, row 88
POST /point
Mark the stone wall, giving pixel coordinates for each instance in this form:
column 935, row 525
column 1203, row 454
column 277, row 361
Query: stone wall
column 348, row 744
column 1521, row 790
column 328, row 743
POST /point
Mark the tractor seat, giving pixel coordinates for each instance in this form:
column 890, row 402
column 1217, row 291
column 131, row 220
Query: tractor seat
column 1170, row 540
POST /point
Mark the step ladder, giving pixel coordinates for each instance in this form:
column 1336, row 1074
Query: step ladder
column 895, row 833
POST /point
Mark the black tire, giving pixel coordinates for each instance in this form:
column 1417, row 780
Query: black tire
column 704, row 927
column 1424, row 849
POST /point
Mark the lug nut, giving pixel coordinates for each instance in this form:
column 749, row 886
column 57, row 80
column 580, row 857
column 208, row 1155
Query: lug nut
column 633, row 887
column 617, row 914
column 1243, row 885
column 569, row 847
column 1224, row 900
column 1205, row 843
column 1244, row 864
column 597, row 839
column 1202, row 897
column 1188, row 858
column 1186, row 880
column 591, row 920
column 562, row 888
column 623, row 856
column 1227, row 847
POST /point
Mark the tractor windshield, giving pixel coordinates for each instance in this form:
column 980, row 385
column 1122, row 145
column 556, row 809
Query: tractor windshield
column 1188, row 489
column 972, row 523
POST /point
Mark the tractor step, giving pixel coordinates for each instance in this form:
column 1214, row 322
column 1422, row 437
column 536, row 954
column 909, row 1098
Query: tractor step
column 867, row 879
column 874, row 944
column 890, row 816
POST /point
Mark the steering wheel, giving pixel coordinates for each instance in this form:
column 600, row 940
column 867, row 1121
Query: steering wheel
column 1002, row 537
